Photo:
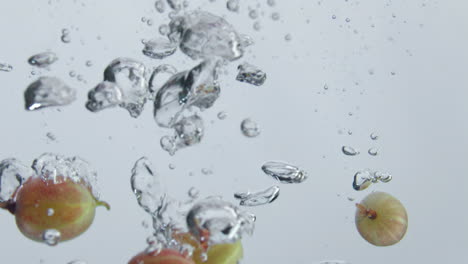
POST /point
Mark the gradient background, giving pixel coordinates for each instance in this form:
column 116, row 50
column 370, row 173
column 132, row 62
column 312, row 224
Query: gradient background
column 419, row 114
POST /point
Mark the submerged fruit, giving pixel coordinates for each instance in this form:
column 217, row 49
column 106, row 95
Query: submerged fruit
column 52, row 211
column 166, row 256
column 216, row 254
column 381, row 219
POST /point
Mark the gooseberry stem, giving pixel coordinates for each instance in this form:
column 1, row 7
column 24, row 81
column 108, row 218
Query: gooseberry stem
column 10, row 206
column 102, row 203
column 371, row 214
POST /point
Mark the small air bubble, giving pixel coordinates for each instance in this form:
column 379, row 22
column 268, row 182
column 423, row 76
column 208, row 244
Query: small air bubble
column 50, row 212
column 373, row 152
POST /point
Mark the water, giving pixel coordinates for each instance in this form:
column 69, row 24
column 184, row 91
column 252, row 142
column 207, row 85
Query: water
column 251, row 74
column 197, row 87
column 284, row 172
column 130, row 76
column 250, row 128
column 51, row 237
column 349, row 151
column 214, row 221
column 12, row 174
column 364, row 178
column 104, row 95
column 188, row 132
column 43, row 59
column 5, row 67
column 159, row 48
column 202, row 35
column 374, row 136
column 258, row 198
column 48, row 92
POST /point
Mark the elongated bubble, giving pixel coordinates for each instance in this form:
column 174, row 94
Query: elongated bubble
column 258, row 198
column 43, row 59
column 349, row 151
column 284, row 172
column 146, row 185
column 47, row 92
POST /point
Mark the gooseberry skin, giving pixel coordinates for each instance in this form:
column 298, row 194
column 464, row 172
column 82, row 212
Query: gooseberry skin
column 66, row 206
column 217, row 254
column 166, row 256
column 381, row 219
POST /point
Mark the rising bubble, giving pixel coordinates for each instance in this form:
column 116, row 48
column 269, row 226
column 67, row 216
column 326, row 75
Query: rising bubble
column 284, row 172
column 258, row 198
column 251, row 74
column 47, row 92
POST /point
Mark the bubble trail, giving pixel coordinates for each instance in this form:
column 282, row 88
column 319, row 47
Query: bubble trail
column 145, row 185
column 263, row 197
column 284, row 172
column 47, row 92
column 364, row 178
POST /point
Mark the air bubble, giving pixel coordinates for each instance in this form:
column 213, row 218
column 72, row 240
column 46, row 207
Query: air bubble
column 250, row 128
column 284, row 172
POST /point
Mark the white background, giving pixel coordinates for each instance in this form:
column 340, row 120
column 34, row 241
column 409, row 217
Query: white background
column 419, row 113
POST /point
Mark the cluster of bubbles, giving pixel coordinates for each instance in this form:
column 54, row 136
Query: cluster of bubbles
column 282, row 172
column 223, row 221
